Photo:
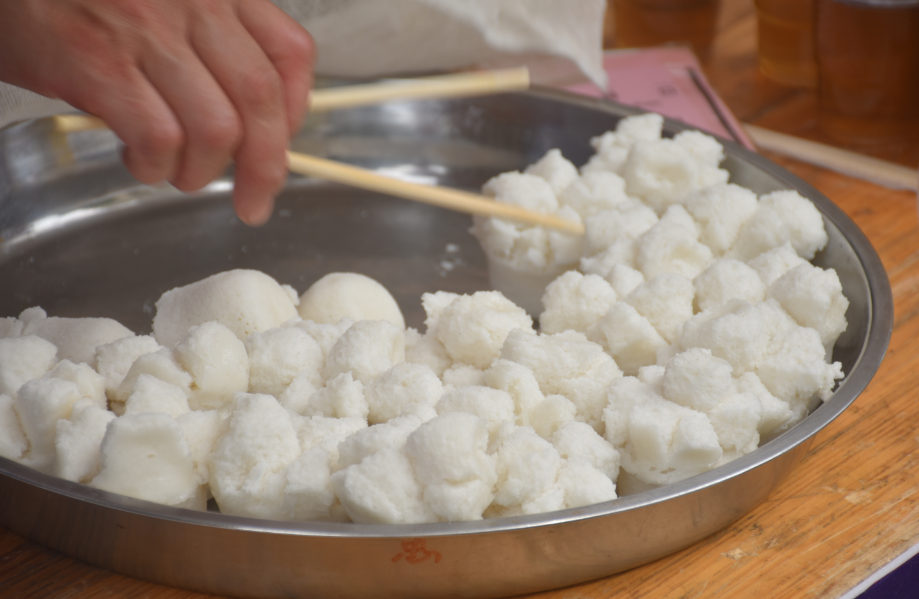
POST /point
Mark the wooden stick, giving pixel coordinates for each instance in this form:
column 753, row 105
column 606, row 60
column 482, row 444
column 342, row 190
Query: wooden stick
column 74, row 123
column 884, row 173
column 443, row 86
column 444, row 197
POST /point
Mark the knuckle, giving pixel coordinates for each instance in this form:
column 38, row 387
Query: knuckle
column 219, row 133
column 300, row 44
column 268, row 175
column 261, row 90
column 161, row 140
column 141, row 168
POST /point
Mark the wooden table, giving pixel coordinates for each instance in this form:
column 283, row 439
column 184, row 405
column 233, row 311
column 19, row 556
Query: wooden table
column 849, row 508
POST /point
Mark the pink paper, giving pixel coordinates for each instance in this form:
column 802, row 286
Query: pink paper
column 668, row 81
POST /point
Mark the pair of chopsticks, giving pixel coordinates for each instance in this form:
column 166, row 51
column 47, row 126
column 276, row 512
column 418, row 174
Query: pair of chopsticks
column 445, row 86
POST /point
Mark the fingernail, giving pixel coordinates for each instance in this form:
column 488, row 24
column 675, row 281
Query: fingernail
column 257, row 213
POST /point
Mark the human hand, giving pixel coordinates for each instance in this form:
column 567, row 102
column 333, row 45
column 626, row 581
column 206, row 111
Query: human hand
column 187, row 85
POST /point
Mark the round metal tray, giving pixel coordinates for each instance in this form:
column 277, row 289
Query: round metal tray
column 79, row 237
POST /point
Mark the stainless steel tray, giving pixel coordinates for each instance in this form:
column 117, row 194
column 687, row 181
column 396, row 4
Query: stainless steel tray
column 80, row 238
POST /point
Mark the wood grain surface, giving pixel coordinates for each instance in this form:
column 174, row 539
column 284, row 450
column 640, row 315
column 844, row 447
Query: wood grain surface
column 850, row 507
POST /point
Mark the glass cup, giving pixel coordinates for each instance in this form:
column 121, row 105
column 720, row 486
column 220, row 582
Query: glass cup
column 868, row 70
column 644, row 23
column 786, row 41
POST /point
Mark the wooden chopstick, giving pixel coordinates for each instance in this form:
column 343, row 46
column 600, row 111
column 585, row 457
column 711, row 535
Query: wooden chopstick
column 453, row 199
column 888, row 174
column 441, row 86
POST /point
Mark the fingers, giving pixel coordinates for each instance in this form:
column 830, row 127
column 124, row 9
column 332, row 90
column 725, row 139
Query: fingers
column 186, row 84
column 119, row 93
column 290, row 48
column 152, row 136
column 257, row 91
column 212, row 128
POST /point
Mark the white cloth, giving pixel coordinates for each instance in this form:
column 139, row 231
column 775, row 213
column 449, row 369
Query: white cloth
column 375, row 38
column 369, row 38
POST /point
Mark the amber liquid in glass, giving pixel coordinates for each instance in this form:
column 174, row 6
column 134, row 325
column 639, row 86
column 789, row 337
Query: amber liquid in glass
column 644, row 23
column 786, row 41
column 868, row 62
